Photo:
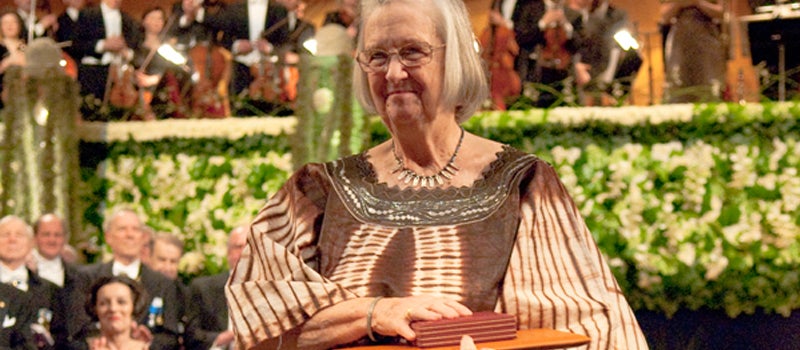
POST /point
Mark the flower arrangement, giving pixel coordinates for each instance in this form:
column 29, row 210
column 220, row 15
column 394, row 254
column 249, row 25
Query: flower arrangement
column 694, row 206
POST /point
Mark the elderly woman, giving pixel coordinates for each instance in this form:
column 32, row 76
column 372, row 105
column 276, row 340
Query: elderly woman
column 433, row 223
column 115, row 303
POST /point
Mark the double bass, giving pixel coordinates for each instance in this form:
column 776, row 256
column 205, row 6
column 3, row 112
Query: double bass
column 500, row 49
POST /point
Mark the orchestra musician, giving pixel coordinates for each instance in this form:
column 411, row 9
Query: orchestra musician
column 188, row 29
column 44, row 22
column 299, row 31
column 345, row 15
column 156, row 99
column 12, row 44
column 248, row 43
column 532, row 20
column 67, row 22
column 599, row 52
column 104, row 37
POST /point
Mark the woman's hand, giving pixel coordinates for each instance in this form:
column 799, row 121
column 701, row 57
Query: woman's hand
column 393, row 316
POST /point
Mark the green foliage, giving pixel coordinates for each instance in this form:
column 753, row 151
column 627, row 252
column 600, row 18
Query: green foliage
column 693, row 206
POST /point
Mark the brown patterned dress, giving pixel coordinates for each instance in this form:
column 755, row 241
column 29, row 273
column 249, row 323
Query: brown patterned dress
column 512, row 242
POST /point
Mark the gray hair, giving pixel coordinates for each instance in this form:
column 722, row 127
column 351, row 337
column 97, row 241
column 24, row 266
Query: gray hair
column 8, row 219
column 109, row 219
column 465, row 85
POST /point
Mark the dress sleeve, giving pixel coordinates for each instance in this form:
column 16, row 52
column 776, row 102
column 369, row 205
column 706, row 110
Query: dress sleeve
column 557, row 277
column 275, row 287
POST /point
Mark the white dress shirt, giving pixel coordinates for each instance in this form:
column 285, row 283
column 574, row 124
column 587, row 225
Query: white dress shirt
column 51, row 270
column 17, row 277
column 131, row 270
column 257, row 20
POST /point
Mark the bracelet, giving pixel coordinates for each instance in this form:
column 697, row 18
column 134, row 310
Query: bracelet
column 369, row 318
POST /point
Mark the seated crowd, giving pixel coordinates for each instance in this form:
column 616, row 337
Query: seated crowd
column 134, row 300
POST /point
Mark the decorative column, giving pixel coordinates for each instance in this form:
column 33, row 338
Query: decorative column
column 40, row 170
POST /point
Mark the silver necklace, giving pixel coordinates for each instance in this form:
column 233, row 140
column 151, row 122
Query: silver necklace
column 408, row 176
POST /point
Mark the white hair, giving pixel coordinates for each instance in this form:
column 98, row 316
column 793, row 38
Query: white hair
column 465, row 85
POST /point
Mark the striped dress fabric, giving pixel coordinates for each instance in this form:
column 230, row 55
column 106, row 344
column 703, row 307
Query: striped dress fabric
column 512, row 242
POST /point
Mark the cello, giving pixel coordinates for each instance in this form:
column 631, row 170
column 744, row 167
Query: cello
column 499, row 51
column 554, row 54
column 209, row 66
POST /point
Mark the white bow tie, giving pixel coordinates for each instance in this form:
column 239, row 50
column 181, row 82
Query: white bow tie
column 131, row 271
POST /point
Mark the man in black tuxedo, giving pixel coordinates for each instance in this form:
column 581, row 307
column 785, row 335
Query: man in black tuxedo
column 36, row 294
column 187, row 27
column 208, row 321
column 67, row 22
column 50, row 236
column 123, row 233
column 14, row 332
column 44, row 24
column 252, row 30
column 96, row 48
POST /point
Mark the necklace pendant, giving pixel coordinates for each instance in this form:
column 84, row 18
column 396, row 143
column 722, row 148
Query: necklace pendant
column 415, row 181
column 438, row 179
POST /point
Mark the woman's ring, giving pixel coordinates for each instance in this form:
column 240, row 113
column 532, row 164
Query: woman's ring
column 408, row 314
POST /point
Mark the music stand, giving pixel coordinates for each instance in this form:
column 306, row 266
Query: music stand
column 769, row 32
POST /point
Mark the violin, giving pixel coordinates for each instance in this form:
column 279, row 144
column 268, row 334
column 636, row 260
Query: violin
column 554, row 53
column 500, row 49
column 266, row 80
column 123, row 93
column 209, row 67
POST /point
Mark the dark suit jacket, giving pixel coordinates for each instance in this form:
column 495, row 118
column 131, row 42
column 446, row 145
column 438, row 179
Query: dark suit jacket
column 66, row 28
column 15, row 317
column 90, row 29
column 526, row 16
column 41, row 300
column 66, row 306
column 194, row 33
column 208, row 315
column 166, row 336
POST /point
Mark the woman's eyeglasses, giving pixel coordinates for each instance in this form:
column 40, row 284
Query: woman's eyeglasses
column 410, row 56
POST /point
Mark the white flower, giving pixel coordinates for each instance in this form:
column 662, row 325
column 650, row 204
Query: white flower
column 322, row 100
column 191, row 262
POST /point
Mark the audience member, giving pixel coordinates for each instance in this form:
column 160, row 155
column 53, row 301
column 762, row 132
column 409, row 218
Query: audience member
column 50, row 237
column 38, row 294
column 252, row 29
column 44, row 23
column 103, row 35
column 166, row 251
column 115, row 303
column 209, row 326
column 147, row 246
column 123, row 234
column 15, row 332
column 695, row 55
